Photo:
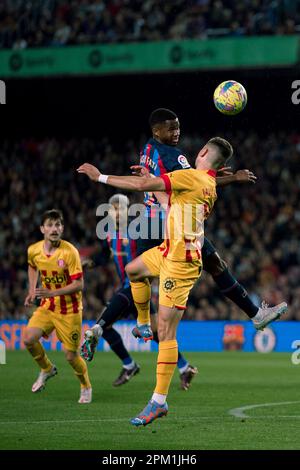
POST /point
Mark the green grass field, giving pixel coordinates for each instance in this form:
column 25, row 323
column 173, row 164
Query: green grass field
column 197, row 419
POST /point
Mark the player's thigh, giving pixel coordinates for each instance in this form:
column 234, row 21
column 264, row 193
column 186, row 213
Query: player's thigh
column 138, row 269
column 153, row 260
column 176, row 281
column 214, row 264
column 40, row 324
column 68, row 330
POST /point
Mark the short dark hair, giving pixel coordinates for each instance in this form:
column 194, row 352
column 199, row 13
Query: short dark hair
column 160, row 115
column 52, row 214
column 225, row 148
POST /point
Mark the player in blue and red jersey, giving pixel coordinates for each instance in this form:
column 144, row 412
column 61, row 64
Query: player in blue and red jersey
column 122, row 248
column 161, row 155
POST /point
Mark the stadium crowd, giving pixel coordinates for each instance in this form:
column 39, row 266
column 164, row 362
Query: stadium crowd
column 254, row 227
column 43, row 23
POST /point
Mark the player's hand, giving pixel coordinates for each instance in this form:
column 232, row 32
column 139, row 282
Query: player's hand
column 245, row 176
column 140, row 170
column 87, row 263
column 43, row 292
column 29, row 300
column 90, row 170
column 225, row 171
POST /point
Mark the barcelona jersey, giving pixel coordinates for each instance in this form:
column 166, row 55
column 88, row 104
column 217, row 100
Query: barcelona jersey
column 123, row 251
column 160, row 159
column 58, row 270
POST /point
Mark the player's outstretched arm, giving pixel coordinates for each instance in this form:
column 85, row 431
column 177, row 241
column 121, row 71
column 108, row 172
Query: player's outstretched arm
column 241, row 176
column 161, row 196
column 129, row 183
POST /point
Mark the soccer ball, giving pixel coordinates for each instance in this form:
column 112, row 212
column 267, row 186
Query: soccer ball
column 230, row 97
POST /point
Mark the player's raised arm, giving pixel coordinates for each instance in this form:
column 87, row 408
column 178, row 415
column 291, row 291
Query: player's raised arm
column 129, row 183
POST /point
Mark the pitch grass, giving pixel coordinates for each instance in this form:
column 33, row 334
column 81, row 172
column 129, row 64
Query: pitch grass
column 198, row 419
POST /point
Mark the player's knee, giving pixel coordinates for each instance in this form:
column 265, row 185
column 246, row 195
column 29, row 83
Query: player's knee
column 70, row 356
column 214, row 265
column 130, row 271
column 28, row 339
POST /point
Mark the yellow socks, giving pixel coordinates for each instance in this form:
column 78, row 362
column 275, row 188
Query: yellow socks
column 141, row 293
column 166, row 364
column 81, row 371
column 39, row 355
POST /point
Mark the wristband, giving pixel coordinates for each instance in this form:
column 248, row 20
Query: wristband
column 103, row 179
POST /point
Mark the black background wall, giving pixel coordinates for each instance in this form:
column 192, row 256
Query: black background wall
column 119, row 106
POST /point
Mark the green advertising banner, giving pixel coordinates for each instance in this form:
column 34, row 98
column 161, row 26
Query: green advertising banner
column 163, row 56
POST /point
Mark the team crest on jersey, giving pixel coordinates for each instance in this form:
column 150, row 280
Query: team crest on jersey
column 74, row 336
column 183, row 161
column 125, row 241
column 169, row 284
column 61, row 263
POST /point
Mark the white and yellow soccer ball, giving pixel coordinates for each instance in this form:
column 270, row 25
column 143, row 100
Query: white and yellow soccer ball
column 230, row 97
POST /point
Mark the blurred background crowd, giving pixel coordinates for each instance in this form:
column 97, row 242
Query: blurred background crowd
column 254, row 227
column 43, row 23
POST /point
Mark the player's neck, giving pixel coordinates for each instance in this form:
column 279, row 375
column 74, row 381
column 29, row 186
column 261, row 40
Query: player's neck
column 205, row 166
column 50, row 247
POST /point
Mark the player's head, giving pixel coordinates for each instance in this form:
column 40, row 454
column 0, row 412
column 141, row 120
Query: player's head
column 165, row 126
column 120, row 203
column 52, row 225
column 214, row 154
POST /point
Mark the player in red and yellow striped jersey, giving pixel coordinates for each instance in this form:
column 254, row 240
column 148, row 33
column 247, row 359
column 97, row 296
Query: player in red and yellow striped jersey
column 177, row 261
column 58, row 264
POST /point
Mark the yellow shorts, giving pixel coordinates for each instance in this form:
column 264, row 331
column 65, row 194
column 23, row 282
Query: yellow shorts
column 176, row 278
column 67, row 327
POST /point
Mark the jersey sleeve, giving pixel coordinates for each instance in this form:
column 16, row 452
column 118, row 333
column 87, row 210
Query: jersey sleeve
column 179, row 162
column 74, row 264
column 30, row 257
column 178, row 181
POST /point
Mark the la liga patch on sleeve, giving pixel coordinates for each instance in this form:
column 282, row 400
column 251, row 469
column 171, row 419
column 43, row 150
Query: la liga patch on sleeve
column 182, row 160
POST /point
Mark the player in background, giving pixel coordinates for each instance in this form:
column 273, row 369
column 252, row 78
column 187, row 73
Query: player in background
column 57, row 262
column 121, row 304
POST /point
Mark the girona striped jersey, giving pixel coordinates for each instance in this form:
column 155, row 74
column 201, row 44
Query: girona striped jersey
column 191, row 198
column 58, row 270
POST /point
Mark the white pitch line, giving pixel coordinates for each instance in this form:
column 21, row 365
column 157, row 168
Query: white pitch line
column 126, row 420
column 239, row 412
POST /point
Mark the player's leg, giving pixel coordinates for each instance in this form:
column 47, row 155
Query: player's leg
column 186, row 371
column 173, row 294
column 129, row 367
column 68, row 331
column 38, row 325
column 233, row 290
column 168, row 319
column 81, row 372
column 118, row 307
column 227, row 283
column 139, row 270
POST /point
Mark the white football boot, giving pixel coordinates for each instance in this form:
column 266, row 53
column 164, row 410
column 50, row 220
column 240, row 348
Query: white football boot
column 85, row 395
column 40, row 383
column 266, row 314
